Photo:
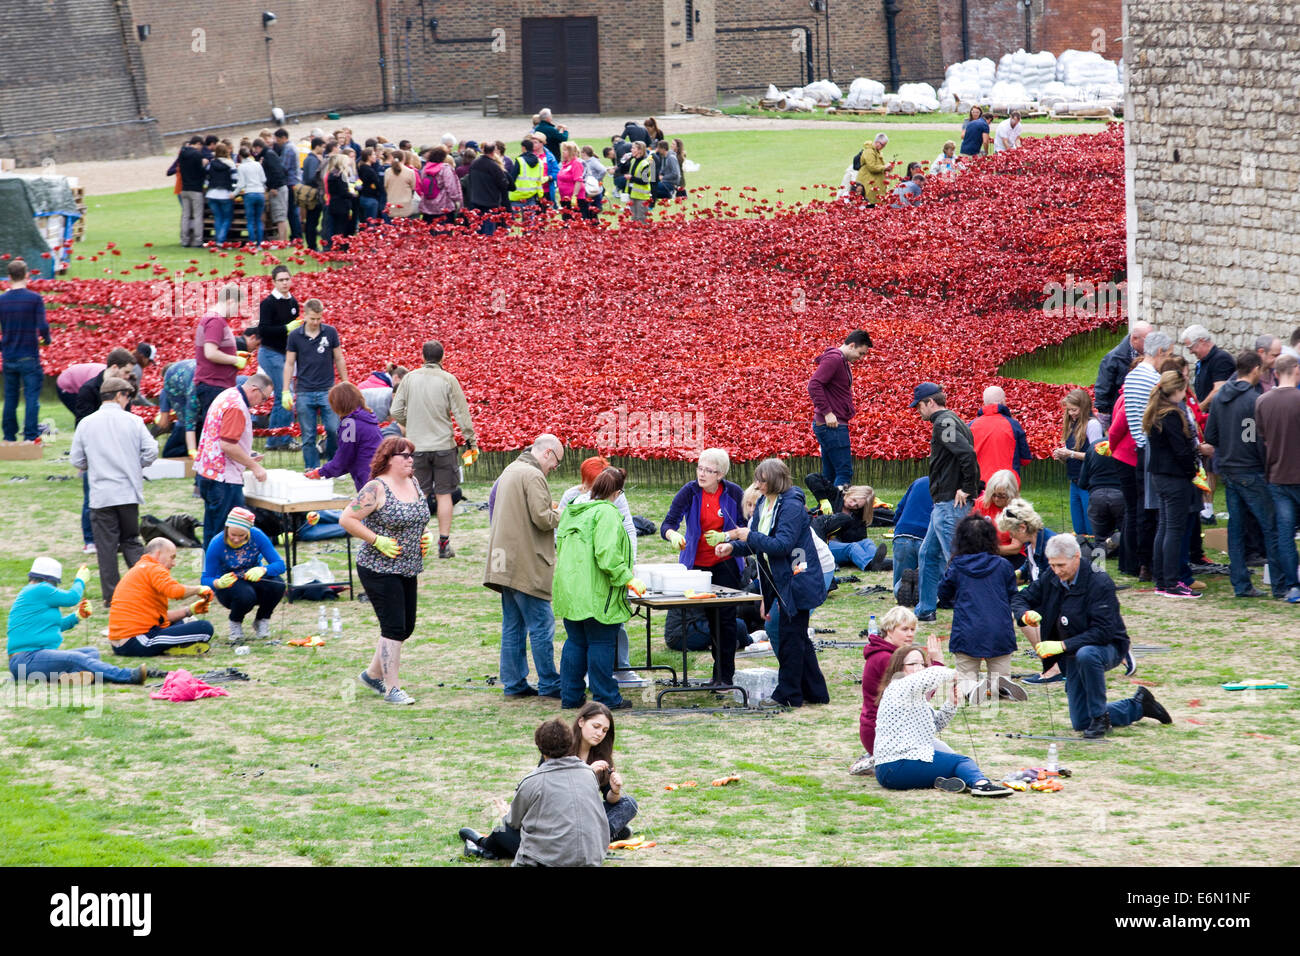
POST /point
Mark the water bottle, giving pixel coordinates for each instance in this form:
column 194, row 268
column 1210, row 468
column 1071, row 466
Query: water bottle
column 337, row 624
column 242, row 650
column 873, row 629
column 1053, row 763
column 320, row 621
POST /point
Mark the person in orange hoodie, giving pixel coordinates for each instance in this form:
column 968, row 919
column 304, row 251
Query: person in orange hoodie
column 140, row 623
column 1000, row 440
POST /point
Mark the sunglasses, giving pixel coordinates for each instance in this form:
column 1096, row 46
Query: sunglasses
column 403, row 454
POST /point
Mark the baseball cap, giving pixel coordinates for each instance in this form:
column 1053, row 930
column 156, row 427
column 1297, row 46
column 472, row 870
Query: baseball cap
column 922, row 392
column 47, row 568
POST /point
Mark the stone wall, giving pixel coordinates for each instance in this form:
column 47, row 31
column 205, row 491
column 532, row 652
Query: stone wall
column 1214, row 193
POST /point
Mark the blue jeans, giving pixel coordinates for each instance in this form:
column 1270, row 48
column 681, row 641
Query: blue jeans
column 218, row 498
column 1079, row 510
column 589, row 651
column 176, row 446
column 837, row 458
column 526, row 618
column 272, row 363
column 921, row 774
column 23, row 373
column 313, row 407
column 858, row 552
column 254, row 206
column 907, row 550
column 53, row 663
column 1286, row 504
column 369, row 209
column 1085, row 687
column 623, row 661
column 223, row 210
column 87, row 533
column 936, row 549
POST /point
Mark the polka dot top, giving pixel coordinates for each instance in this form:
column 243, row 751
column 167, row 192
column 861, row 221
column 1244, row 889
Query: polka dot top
column 906, row 724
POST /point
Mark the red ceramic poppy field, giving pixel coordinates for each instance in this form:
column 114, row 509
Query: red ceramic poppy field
column 700, row 330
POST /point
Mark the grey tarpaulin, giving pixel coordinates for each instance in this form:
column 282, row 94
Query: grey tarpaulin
column 22, row 200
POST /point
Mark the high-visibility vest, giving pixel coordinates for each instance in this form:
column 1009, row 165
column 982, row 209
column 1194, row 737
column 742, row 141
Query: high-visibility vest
column 528, row 181
column 638, row 179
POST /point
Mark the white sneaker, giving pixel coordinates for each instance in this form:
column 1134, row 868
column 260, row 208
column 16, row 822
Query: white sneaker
column 262, row 628
column 396, row 695
column 89, row 548
column 1010, row 690
column 977, row 693
column 630, row 679
column 236, row 632
column 864, row 766
column 1207, row 512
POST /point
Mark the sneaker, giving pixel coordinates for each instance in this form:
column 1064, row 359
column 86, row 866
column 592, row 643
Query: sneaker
column 1010, row 690
column 621, row 705
column 1251, row 593
column 1130, row 662
column 89, row 548
column 141, row 673
column 374, row 683
column 1293, row 596
column 189, row 650
column 262, row 628
column 1178, row 591
column 1195, row 586
column 1151, row 707
column 987, row 788
column 526, row 692
column 927, row 618
column 446, row 550
column 1040, row 679
column 977, row 693
column 950, row 784
column 396, row 695
column 623, row 834
column 236, row 632
column 630, row 679
column 864, row 766
column 153, row 673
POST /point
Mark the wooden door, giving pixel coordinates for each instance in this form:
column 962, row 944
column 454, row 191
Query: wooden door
column 561, row 64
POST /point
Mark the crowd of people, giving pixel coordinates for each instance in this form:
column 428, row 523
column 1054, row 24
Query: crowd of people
column 328, row 186
column 868, row 178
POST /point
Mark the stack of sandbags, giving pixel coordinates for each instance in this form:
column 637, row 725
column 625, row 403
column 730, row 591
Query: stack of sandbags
column 864, row 94
column 1008, row 95
column 1057, row 93
column 1033, row 71
column 921, row 96
column 1086, row 69
column 823, row 93
column 968, row 82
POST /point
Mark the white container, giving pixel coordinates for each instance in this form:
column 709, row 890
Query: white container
column 759, row 682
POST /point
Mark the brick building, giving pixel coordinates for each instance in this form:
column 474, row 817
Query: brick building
column 1213, row 170
column 82, row 78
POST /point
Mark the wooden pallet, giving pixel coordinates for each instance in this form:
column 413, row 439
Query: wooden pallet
column 701, row 110
column 869, row 111
column 1099, row 117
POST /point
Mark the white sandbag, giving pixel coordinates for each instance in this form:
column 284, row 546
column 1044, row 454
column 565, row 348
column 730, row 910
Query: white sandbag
column 823, row 92
column 690, row 166
column 921, row 95
column 772, row 93
column 864, row 93
column 947, row 102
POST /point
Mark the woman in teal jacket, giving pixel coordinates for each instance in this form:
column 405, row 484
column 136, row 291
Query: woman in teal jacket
column 593, row 573
column 36, row 625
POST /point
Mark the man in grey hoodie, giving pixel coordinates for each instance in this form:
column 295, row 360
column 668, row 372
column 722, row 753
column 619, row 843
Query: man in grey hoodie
column 1233, row 431
column 557, row 807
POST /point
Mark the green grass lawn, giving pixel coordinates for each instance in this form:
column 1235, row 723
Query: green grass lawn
column 777, row 163
column 300, row 765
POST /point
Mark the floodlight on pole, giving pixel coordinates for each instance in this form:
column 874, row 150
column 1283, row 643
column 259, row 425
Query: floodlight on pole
column 268, row 18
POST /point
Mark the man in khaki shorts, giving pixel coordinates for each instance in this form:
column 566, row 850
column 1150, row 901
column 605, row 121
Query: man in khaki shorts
column 424, row 404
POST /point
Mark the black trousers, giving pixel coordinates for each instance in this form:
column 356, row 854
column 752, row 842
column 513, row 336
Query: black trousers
column 724, row 574
column 311, row 224
column 115, row 528
column 1128, row 542
column 1105, row 512
column 206, row 394
column 242, row 596
column 799, row 680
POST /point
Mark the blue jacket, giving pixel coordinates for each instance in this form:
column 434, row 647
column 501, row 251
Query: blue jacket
column 35, row 623
column 686, row 503
column 979, row 589
column 220, row 557
column 789, row 543
column 912, row 516
column 1082, row 615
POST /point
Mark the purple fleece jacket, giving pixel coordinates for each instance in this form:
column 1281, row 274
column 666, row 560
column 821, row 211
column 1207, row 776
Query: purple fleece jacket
column 359, row 439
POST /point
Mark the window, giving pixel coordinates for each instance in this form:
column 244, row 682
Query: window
column 690, row 19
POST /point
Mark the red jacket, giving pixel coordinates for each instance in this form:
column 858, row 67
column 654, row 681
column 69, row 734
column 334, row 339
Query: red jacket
column 1000, row 442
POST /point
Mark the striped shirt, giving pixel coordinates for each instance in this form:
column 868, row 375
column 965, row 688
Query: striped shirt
column 1138, row 386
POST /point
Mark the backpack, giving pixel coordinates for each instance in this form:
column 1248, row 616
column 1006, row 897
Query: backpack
column 427, row 186
column 857, row 160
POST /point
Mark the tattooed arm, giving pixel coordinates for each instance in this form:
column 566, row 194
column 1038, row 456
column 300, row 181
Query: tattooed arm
column 368, row 500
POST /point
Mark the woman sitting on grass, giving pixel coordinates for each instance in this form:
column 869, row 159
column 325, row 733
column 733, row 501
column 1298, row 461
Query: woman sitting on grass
column 593, row 743
column 907, row 730
column 898, row 629
column 979, row 586
column 841, row 520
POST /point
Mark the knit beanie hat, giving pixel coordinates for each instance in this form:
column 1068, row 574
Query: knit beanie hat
column 240, row 518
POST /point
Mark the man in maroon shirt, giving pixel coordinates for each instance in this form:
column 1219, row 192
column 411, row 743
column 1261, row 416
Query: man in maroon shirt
column 216, row 359
column 831, row 390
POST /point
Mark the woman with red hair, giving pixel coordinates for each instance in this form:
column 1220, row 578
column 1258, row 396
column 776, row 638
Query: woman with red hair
column 359, row 436
column 390, row 514
column 589, row 471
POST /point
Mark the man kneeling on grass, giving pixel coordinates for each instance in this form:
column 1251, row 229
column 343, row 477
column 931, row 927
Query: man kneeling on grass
column 139, row 622
column 1079, row 613
column 35, row 632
